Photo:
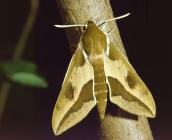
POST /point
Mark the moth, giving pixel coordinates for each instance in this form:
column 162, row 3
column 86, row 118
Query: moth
column 99, row 72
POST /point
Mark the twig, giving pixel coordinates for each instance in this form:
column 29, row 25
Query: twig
column 20, row 47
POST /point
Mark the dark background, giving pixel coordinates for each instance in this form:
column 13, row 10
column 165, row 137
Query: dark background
column 146, row 37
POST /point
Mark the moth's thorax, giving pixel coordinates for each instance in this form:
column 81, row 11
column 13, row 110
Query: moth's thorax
column 94, row 40
column 93, row 59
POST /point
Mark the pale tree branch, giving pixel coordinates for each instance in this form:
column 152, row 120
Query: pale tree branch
column 121, row 126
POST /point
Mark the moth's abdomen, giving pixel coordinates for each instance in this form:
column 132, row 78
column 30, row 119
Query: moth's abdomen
column 100, row 87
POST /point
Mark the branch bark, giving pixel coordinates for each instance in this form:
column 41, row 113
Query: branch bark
column 122, row 126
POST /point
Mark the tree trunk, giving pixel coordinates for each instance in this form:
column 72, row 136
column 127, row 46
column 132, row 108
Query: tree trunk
column 121, row 126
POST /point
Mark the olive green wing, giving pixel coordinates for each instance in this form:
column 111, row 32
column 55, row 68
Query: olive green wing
column 126, row 88
column 76, row 96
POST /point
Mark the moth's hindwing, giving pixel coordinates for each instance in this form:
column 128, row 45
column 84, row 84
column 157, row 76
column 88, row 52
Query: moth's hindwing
column 126, row 89
column 76, row 96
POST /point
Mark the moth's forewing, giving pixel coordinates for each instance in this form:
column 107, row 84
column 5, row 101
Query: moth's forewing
column 126, row 88
column 76, row 96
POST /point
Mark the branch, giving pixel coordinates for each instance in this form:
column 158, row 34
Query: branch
column 122, row 126
column 20, row 47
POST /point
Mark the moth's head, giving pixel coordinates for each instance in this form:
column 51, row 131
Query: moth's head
column 93, row 39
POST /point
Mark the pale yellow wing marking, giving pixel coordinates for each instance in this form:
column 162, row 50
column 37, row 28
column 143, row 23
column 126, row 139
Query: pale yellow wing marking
column 126, row 88
column 76, row 96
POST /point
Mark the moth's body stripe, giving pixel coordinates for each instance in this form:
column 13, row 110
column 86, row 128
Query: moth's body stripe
column 98, row 79
column 99, row 73
column 100, row 86
column 99, row 83
column 105, row 100
column 101, row 91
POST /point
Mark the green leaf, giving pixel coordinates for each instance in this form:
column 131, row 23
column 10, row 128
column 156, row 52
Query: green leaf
column 12, row 67
column 23, row 72
column 29, row 79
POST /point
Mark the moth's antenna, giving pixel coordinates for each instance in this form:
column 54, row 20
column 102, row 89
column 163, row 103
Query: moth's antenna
column 85, row 25
column 69, row 26
column 120, row 17
column 116, row 18
column 112, row 19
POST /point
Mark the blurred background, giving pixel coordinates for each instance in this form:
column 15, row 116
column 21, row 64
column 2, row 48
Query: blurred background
column 36, row 66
